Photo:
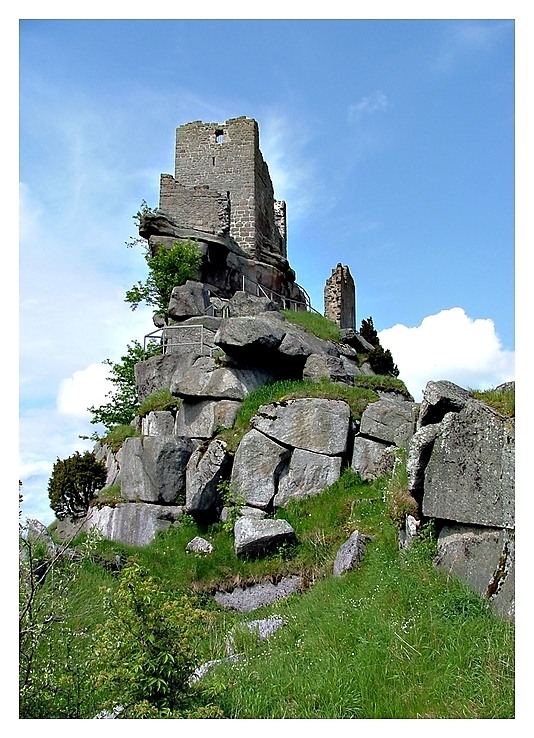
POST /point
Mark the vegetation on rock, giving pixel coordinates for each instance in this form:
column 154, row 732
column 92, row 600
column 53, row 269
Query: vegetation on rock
column 168, row 268
column 286, row 389
column 501, row 400
column 314, row 323
column 161, row 399
column 395, row 620
column 123, row 404
column 117, row 435
column 381, row 382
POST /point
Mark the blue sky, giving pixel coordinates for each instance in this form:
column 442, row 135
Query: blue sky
column 391, row 141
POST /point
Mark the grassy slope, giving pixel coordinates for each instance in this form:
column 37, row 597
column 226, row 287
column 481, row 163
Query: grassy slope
column 394, row 639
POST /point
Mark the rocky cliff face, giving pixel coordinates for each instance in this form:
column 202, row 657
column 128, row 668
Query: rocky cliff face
column 460, row 453
column 461, row 469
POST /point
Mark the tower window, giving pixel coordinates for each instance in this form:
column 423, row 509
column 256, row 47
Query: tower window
column 219, row 136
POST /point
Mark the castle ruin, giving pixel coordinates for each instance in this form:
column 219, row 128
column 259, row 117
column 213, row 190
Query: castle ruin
column 221, row 196
column 340, row 298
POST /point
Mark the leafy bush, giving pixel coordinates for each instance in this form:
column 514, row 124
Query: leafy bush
column 145, row 652
column 168, row 268
column 74, row 483
column 124, row 402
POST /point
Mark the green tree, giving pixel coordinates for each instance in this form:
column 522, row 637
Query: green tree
column 368, row 331
column 74, row 483
column 124, row 401
column 144, row 653
column 168, row 268
column 381, row 362
column 380, row 359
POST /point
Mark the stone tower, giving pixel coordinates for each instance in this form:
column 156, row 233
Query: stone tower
column 340, row 298
column 221, row 197
column 222, row 165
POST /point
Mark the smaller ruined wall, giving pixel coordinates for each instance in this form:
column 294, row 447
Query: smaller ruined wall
column 280, row 220
column 198, row 208
column 340, row 298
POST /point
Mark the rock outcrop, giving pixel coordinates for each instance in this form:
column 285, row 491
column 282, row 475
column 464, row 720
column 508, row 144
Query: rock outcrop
column 461, row 470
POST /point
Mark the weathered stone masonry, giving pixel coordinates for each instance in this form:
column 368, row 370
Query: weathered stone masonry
column 340, row 298
column 221, row 196
column 219, row 168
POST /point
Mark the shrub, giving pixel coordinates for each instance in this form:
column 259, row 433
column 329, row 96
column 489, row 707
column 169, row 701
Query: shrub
column 380, row 359
column 124, row 402
column 74, row 483
column 381, row 362
column 368, row 332
column 168, row 268
column 145, row 651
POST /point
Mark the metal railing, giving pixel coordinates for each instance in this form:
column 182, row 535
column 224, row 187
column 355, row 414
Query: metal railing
column 287, row 303
column 162, row 335
column 173, row 335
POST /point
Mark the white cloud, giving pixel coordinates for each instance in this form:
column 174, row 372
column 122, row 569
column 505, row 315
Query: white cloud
column 85, row 388
column 377, row 102
column 449, row 345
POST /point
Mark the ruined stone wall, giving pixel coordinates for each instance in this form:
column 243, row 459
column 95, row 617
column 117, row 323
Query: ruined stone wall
column 198, row 208
column 280, row 219
column 340, row 298
column 226, row 158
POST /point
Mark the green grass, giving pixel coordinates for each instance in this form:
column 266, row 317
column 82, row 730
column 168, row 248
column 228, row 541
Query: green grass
column 117, row 435
column 314, row 323
column 108, row 496
column 502, row 401
column 378, row 382
column 394, row 638
column 357, row 397
column 162, row 399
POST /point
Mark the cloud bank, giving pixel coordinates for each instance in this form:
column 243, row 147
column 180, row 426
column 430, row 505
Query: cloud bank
column 452, row 346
